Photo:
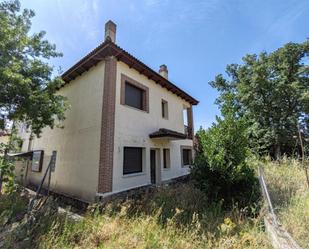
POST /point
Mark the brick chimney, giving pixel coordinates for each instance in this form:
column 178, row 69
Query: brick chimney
column 163, row 71
column 110, row 31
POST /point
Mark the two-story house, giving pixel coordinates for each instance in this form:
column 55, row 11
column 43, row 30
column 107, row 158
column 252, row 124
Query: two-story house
column 128, row 126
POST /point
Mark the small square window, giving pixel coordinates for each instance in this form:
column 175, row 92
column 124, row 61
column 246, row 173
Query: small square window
column 166, row 159
column 164, row 106
column 186, row 156
column 132, row 160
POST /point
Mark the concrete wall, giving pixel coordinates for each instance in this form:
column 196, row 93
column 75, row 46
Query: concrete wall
column 132, row 128
column 78, row 144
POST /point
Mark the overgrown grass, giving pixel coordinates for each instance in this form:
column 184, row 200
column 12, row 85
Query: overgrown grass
column 290, row 195
column 177, row 216
column 12, row 206
column 172, row 217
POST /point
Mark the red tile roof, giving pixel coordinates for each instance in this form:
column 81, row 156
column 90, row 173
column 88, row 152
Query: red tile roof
column 163, row 133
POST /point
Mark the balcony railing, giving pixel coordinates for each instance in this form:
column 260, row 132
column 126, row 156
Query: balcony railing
column 188, row 131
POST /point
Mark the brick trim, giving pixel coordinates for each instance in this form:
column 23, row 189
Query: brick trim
column 105, row 182
column 135, row 83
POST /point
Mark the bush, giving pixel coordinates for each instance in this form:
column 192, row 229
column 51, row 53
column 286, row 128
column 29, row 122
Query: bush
column 220, row 168
column 12, row 206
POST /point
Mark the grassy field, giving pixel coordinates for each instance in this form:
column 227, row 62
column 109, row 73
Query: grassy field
column 177, row 216
column 290, row 195
column 173, row 217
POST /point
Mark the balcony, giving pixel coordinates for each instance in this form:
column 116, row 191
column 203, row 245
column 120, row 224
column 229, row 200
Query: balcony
column 188, row 132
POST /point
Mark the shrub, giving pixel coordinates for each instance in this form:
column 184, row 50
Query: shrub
column 220, row 168
column 6, row 171
column 12, row 206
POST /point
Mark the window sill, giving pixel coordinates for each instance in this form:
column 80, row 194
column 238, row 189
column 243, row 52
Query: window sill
column 133, row 174
column 134, row 108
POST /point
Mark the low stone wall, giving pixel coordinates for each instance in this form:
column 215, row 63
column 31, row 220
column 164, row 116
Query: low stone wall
column 139, row 191
column 81, row 206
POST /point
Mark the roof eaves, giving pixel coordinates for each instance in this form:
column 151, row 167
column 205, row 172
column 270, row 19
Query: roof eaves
column 109, row 48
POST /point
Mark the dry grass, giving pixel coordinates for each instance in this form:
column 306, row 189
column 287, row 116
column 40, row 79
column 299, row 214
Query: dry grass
column 177, row 216
column 287, row 186
column 173, row 217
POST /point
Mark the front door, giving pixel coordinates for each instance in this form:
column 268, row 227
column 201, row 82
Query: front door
column 153, row 166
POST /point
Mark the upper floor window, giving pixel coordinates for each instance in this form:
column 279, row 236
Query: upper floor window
column 134, row 94
column 164, row 107
column 188, row 122
column 185, row 116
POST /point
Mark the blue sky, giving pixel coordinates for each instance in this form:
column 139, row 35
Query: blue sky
column 195, row 39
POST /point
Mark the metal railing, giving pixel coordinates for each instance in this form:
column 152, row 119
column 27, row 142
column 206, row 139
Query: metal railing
column 47, row 172
column 188, row 131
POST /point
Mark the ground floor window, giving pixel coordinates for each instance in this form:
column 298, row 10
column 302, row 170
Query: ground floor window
column 166, row 159
column 132, row 160
column 186, row 154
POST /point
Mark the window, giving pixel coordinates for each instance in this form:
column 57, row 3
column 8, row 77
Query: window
column 186, row 156
column 134, row 96
column 164, row 107
column 37, row 160
column 188, row 122
column 166, row 159
column 132, row 160
column 185, row 117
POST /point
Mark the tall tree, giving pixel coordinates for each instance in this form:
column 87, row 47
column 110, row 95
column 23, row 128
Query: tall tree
column 27, row 86
column 272, row 92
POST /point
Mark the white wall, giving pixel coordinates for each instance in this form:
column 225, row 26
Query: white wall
column 78, row 144
column 132, row 128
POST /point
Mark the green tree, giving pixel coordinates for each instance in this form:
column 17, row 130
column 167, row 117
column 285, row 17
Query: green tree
column 27, row 86
column 220, row 168
column 272, row 92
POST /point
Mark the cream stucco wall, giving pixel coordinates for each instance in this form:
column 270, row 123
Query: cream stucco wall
column 78, row 144
column 132, row 128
